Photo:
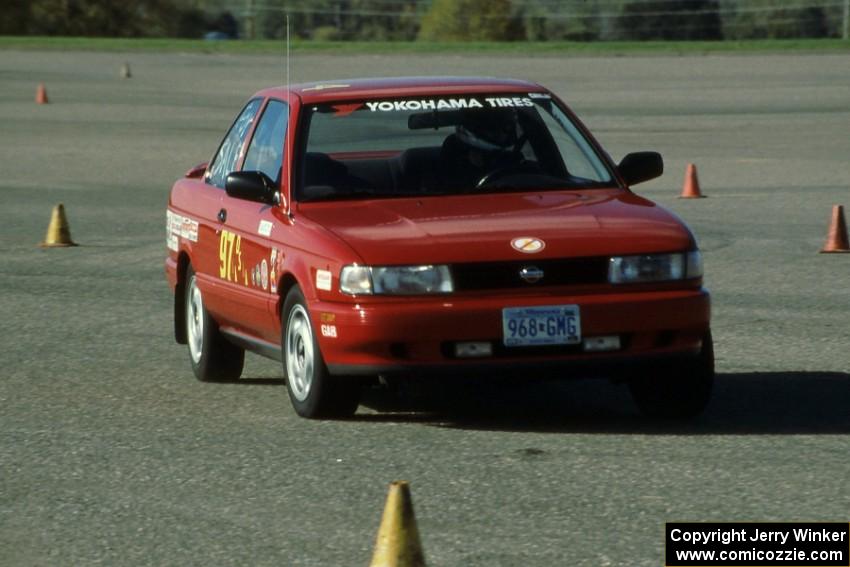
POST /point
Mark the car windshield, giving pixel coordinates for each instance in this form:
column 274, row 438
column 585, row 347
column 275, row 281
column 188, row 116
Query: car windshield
column 444, row 145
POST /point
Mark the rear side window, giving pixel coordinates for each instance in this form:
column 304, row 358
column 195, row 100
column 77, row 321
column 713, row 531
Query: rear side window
column 228, row 153
column 266, row 150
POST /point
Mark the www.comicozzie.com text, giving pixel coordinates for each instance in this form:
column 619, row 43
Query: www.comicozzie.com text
column 743, row 534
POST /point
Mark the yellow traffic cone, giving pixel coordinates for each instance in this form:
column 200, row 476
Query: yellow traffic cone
column 397, row 544
column 58, row 231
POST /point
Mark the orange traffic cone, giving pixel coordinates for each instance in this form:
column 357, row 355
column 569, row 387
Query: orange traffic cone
column 690, row 190
column 397, row 544
column 836, row 238
column 41, row 94
column 58, row 231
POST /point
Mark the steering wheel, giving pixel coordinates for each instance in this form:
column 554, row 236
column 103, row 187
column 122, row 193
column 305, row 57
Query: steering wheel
column 523, row 166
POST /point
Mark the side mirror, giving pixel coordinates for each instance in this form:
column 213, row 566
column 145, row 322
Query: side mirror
column 196, row 172
column 251, row 186
column 641, row 166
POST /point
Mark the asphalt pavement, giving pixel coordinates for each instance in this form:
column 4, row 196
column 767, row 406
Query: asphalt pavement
column 112, row 453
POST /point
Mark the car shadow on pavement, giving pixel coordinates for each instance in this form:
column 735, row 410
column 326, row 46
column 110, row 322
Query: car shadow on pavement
column 743, row 403
column 257, row 381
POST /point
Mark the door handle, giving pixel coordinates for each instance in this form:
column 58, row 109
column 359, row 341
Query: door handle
column 222, row 215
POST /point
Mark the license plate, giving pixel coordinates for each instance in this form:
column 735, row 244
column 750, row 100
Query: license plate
column 543, row 325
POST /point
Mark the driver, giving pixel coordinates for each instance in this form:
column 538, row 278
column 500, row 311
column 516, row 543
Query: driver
column 485, row 141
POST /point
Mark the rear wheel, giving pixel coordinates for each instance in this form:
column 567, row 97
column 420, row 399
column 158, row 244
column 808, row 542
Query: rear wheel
column 676, row 390
column 213, row 358
column 312, row 390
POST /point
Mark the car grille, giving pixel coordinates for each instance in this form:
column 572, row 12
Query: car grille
column 506, row 275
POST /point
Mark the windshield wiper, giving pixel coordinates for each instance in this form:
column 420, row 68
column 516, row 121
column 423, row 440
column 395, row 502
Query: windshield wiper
column 498, row 188
column 340, row 193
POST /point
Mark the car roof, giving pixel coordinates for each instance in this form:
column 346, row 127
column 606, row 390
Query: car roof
column 389, row 87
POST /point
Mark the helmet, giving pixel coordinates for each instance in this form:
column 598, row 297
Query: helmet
column 491, row 131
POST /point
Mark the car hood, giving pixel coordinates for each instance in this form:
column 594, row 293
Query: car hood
column 480, row 228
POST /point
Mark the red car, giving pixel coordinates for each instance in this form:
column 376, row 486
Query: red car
column 393, row 227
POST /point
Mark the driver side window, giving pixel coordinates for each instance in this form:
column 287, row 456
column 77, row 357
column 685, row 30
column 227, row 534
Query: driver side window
column 579, row 158
column 230, row 150
column 265, row 153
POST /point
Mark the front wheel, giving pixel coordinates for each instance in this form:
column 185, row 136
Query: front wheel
column 312, row 390
column 213, row 358
column 676, row 390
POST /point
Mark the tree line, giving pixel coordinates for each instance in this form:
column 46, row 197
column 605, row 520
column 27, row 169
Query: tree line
column 429, row 20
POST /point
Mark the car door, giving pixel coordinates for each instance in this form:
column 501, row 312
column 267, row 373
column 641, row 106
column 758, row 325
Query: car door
column 208, row 201
column 248, row 260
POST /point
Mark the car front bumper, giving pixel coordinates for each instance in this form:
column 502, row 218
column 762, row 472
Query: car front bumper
column 418, row 335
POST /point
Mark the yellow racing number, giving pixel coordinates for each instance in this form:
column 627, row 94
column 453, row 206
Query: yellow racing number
column 237, row 269
column 222, row 255
column 229, row 244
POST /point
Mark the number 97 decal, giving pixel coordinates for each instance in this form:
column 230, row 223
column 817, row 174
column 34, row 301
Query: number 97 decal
column 230, row 245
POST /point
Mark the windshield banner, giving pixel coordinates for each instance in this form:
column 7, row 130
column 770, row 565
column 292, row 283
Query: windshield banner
column 449, row 104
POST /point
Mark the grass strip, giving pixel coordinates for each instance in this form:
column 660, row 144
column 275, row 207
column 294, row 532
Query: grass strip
column 560, row 48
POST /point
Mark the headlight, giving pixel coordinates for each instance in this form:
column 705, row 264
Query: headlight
column 355, row 280
column 655, row 268
column 395, row 280
column 694, row 264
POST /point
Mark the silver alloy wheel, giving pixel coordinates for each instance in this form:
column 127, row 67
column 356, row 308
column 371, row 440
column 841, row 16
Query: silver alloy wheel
column 195, row 321
column 300, row 358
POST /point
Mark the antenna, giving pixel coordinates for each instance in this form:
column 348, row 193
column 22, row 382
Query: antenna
column 287, row 157
column 287, row 57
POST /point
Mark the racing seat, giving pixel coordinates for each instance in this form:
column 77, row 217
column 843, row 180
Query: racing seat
column 417, row 169
column 325, row 176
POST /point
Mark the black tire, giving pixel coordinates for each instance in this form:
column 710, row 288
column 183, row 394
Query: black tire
column 312, row 390
column 213, row 358
column 676, row 390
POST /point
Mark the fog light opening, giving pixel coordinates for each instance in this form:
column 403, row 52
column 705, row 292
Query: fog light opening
column 473, row 350
column 601, row 344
